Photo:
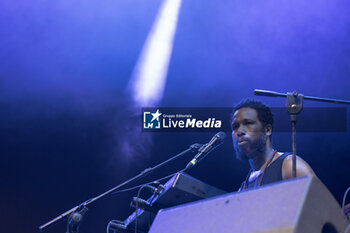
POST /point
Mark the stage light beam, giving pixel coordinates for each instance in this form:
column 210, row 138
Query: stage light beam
column 149, row 76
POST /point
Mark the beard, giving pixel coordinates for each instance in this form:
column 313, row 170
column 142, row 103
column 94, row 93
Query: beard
column 252, row 149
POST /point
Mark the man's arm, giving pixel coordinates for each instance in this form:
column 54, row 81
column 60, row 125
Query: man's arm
column 303, row 168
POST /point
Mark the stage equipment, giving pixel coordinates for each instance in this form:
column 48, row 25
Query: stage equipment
column 217, row 140
column 301, row 205
column 294, row 106
column 193, row 148
column 181, row 188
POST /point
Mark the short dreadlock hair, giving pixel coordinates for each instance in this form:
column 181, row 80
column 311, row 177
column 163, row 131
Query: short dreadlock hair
column 265, row 115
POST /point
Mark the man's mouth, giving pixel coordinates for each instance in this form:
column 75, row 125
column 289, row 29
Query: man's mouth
column 242, row 143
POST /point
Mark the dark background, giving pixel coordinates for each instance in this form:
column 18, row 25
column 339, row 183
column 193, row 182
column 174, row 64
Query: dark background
column 66, row 129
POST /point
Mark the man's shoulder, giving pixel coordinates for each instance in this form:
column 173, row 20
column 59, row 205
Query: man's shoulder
column 303, row 168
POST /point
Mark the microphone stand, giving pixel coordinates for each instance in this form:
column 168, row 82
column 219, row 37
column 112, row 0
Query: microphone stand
column 294, row 105
column 75, row 215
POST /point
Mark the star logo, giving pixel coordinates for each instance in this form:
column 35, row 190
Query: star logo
column 156, row 115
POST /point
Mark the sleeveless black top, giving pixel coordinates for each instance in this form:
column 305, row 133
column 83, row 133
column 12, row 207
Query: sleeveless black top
column 273, row 173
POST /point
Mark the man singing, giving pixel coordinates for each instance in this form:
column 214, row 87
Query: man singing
column 252, row 125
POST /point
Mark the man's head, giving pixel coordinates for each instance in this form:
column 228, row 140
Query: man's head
column 251, row 123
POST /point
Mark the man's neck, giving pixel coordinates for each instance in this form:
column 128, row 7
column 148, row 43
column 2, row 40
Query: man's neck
column 258, row 162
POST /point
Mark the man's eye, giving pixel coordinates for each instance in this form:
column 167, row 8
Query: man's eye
column 234, row 126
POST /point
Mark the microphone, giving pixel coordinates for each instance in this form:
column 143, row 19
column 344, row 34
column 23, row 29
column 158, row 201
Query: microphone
column 217, row 140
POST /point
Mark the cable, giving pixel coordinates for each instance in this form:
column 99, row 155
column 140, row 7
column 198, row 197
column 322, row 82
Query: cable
column 108, row 226
column 137, row 206
column 193, row 148
column 344, row 198
column 151, row 182
column 139, row 193
column 141, row 186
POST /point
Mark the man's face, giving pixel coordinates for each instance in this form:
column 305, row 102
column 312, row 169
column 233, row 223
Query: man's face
column 248, row 134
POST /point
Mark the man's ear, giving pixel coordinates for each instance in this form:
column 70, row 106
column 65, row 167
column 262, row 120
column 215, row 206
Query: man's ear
column 268, row 130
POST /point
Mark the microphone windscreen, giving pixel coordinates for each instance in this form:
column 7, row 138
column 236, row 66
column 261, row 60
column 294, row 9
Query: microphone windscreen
column 220, row 136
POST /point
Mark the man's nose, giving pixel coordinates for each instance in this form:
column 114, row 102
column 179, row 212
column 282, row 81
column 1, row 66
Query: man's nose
column 241, row 130
column 238, row 133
